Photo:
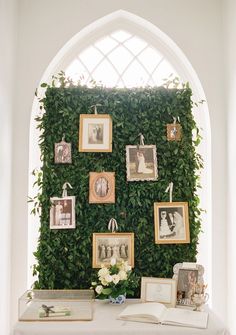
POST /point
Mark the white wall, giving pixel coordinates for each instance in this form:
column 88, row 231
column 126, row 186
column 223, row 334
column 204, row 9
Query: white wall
column 7, row 47
column 230, row 89
column 45, row 26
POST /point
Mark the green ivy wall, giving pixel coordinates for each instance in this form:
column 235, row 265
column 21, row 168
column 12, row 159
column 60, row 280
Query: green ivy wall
column 65, row 256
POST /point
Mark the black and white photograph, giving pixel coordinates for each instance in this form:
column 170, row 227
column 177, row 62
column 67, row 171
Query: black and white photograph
column 62, row 213
column 171, row 222
column 141, row 163
column 101, row 187
column 187, row 279
column 113, row 245
column 62, row 153
column 95, row 133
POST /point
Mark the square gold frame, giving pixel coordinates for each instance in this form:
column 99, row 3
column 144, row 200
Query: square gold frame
column 89, row 125
column 180, row 224
column 101, row 187
column 111, row 240
column 162, row 290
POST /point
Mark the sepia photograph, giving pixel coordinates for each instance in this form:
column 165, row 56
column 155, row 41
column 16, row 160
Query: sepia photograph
column 161, row 290
column 101, row 187
column 62, row 153
column 171, row 222
column 113, row 245
column 62, row 213
column 174, row 132
column 95, row 133
column 141, row 162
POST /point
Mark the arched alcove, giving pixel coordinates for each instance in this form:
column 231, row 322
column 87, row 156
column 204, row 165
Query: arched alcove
column 158, row 39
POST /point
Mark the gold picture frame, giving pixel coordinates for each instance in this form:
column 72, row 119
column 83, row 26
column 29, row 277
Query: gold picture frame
column 162, row 290
column 174, row 132
column 62, row 213
column 95, row 133
column 101, row 187
column 171, row 222
column 112, row 245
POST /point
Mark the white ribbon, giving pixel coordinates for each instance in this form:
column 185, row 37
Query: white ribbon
column 175, row 119
column 141, row 139
column 95, row 108
column 64, row 188
column 112, row 225
column 170, row 189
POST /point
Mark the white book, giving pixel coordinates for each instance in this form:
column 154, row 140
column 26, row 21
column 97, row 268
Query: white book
column 157, row 313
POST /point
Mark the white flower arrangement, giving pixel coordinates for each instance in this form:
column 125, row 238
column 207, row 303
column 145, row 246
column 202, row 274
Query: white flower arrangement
column 113, row 280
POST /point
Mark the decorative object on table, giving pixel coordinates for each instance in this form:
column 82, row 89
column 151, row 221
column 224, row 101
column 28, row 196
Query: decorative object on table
column 62, row 152
column 114, row 280
column 56, row 305
column 101, row 187
column 113, row 245
column 141, row 162
column 199, row 296
column 51, row 311
column 161, row 290
column 174, row 131
column 187, row 276
column 62, row 211
column 171, row 222
column 95, row 132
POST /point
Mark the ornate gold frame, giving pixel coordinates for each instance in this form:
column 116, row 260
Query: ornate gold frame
column 94, row 198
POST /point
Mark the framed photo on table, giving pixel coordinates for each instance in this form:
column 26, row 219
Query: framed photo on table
column 141, row 163
column 187, row 276
column 101, row 187
column 161, row 290
column 171, row 222
column 62, row 213
column 95, row 133
column 113, row 245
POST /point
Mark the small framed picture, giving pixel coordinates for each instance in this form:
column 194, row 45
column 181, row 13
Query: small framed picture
column 62, row 153
column 141, row 162
column 101, row 187
column 187, row 276
column 171, row 222
column 161, row 290
column 62, row 213
column 112, row 245
column 174, row 132
column 95, row 133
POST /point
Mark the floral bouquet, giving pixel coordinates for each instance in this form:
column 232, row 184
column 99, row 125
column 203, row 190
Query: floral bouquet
column 114, row 280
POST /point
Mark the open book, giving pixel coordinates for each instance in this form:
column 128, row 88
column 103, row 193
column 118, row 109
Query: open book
column 157, row 313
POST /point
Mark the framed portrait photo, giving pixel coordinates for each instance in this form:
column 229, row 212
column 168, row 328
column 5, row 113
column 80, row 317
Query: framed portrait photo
column 161, row 290
column 141, row 162
column 95, row 133
column 174, row 132
column 62, row 213
column 112, row 245
column 62, row 153
column 171, row 222
column 187, row 276
column 101, row 187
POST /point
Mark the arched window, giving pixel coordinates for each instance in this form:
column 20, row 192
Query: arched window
column 124, row 50
column 120, row 59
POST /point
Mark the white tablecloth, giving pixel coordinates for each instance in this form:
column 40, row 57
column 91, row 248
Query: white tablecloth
column 105, row 322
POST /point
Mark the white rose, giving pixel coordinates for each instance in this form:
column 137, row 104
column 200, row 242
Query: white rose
column 103, row 272
column 104, row 282
column 115, row 279
column 99, row 289
column 94, row 283
column 108, row 278
column 122, row 274
column 127, row 267
column 113, row 261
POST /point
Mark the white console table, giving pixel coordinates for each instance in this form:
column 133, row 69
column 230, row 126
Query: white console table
column 105, row 322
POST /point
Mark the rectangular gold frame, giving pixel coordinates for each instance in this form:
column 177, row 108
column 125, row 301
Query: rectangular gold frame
column 109, row 197
column 177, row 231
column 174, row 132
column 130, row 259
column 160, row 290
column 86, row 147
